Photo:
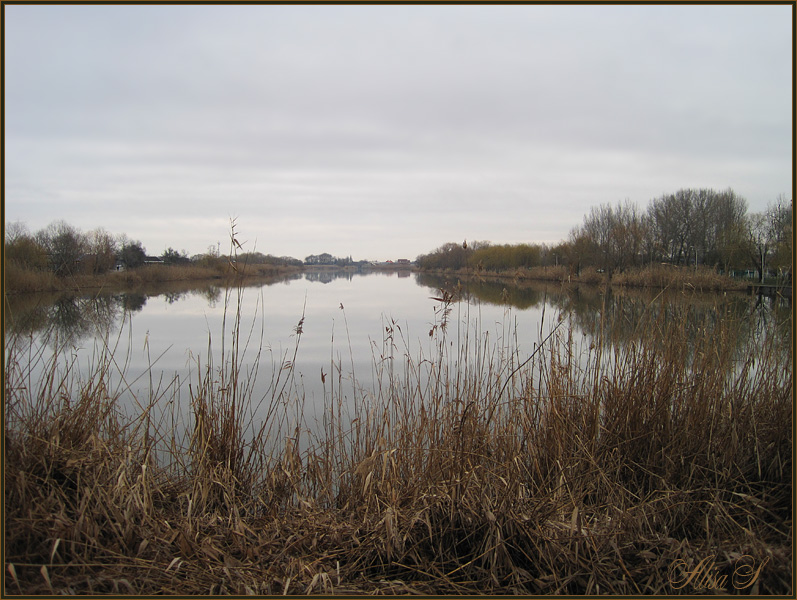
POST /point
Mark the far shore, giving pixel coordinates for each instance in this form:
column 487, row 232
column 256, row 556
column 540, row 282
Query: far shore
column 702, row 279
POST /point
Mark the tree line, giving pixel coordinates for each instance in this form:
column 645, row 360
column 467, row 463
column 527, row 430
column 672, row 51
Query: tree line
column 690, row 227
column 65, row 250
column 328, row 259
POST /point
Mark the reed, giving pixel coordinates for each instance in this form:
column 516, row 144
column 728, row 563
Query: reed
column 698, row 278
column 21, row 280
column 661, row 276
column 465, row 468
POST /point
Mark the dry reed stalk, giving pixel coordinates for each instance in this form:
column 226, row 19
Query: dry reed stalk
column 464, row 471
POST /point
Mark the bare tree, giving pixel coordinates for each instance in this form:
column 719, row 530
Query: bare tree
column 627, row 234
column 697, row 226
column 14, row 231
column 726, row 230
column 102, row 248
column 769, row 237
column 596, row 234
column 613, row 235
column 65, row 246
column 760, row 241
column 22, row 249
column 781, row 215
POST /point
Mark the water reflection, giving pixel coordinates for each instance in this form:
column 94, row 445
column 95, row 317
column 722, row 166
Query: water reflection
column 175, row 328
column 519, row 295
column 330, row 275
column 133, row 302
column 620, row 316
column 71, row 319
column 615, row 317
column 325, row 276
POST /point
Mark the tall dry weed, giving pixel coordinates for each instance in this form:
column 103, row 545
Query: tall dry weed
column 586, row 466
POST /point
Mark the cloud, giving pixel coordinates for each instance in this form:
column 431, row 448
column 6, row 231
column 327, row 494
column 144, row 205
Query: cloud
column 400, row 127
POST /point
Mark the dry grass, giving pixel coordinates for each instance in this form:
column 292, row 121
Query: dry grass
column 701, row 279
column 559, row 274
column 465, row 471
column 662, row 276
column 18, row 280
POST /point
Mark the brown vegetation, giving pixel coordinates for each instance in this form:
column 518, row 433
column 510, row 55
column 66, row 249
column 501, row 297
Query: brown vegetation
column 20, row 280
column 575, row 471
column 654, row 276
column 701, row 279
column 691, row 228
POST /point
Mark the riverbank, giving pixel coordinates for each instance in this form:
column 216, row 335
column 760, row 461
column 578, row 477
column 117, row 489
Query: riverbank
column 701, row 279
column 17, row 280
column 601, row 470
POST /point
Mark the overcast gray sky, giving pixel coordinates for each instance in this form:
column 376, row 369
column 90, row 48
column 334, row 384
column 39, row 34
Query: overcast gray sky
column 384, row 131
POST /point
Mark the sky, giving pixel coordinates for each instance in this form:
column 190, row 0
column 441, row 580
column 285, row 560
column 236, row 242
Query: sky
column 384, row 131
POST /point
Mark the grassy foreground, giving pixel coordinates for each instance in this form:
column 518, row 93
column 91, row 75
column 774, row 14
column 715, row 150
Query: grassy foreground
column 596, row 470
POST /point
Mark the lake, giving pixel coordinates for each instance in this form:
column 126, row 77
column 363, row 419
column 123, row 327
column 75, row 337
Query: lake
column 318, row 336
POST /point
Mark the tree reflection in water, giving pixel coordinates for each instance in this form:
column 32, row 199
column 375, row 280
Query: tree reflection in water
column 620, row 316
column 68, row 320
column 616, row 317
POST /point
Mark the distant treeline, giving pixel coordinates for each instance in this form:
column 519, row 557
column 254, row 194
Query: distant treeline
column 64, row 250
column 61, row 257
column 690, row 227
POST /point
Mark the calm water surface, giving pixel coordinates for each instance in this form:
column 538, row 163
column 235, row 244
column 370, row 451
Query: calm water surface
column 341, row 326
